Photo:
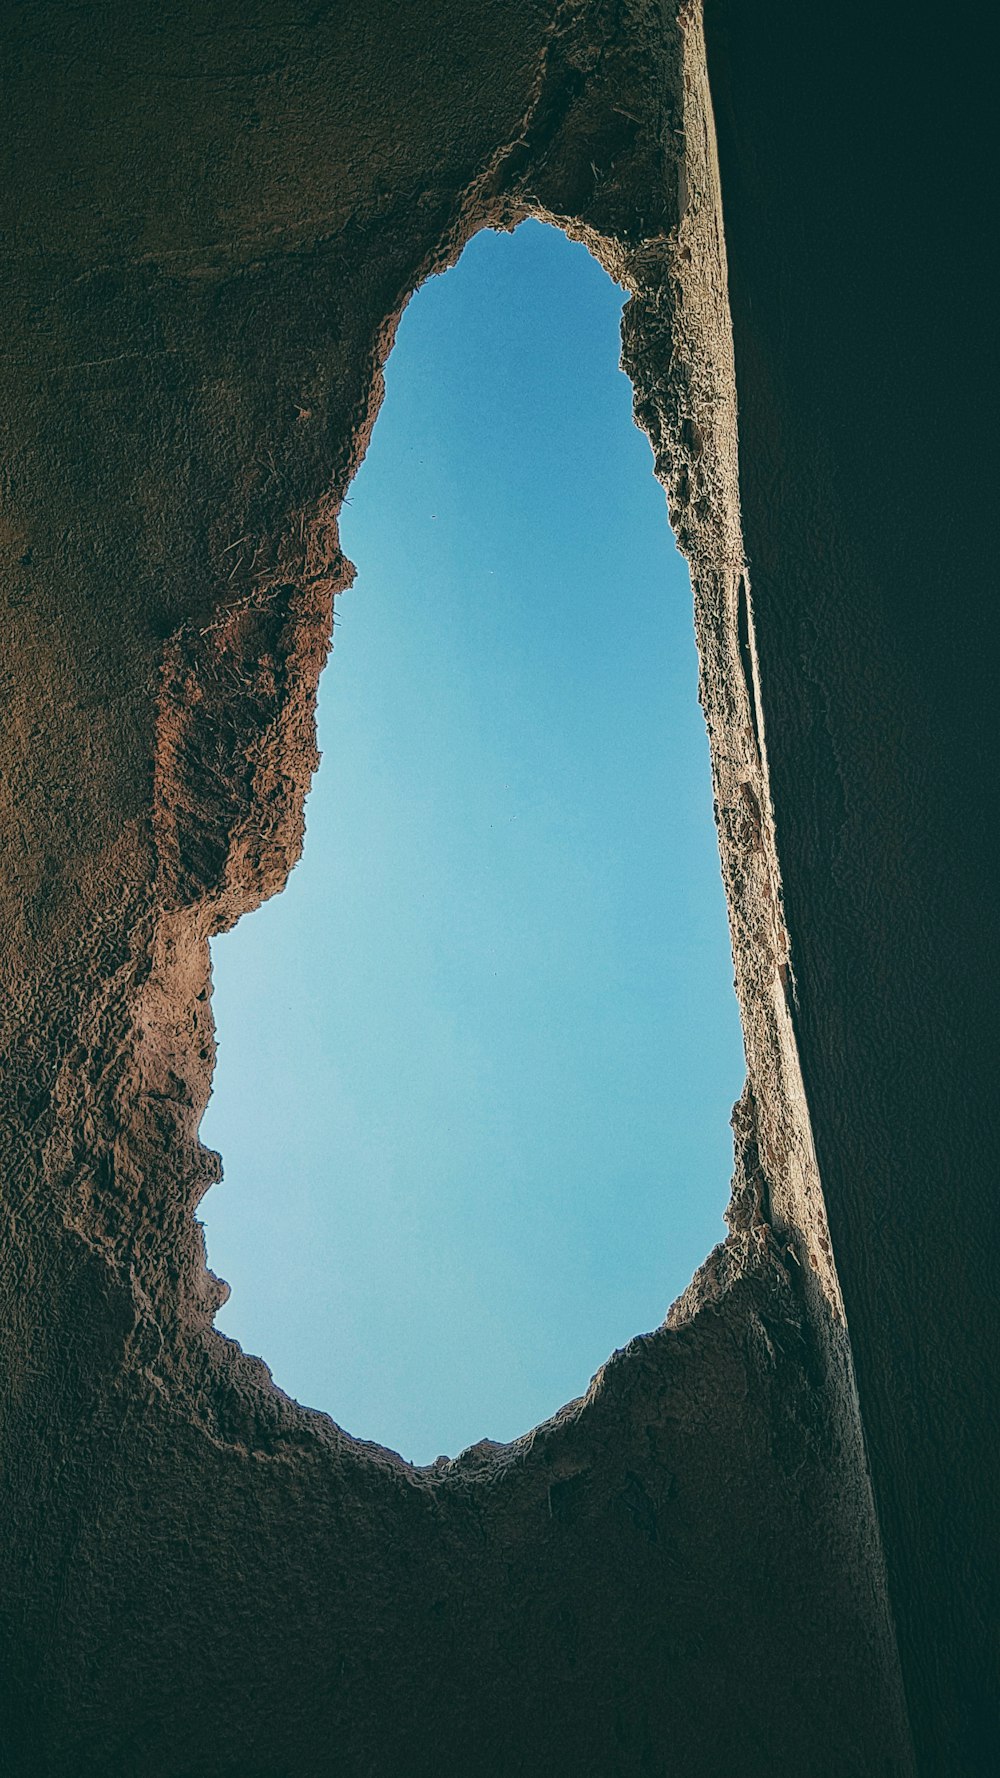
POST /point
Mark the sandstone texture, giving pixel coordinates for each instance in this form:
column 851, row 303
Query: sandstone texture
column 763, row 1541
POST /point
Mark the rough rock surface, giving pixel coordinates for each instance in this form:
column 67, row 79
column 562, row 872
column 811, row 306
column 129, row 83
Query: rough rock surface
column 858, row 157
column 216, row 216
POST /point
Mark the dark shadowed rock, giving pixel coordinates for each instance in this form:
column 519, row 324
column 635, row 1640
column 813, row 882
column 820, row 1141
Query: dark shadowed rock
column 214, row 217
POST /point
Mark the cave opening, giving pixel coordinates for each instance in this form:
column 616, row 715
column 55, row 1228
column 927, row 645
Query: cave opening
column 476, row 1061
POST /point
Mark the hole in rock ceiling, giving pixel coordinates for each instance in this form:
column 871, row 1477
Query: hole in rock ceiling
column 476, row 1062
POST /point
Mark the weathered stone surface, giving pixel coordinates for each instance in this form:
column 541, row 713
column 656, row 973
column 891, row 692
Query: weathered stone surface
column 216, row 216
column 858, row 152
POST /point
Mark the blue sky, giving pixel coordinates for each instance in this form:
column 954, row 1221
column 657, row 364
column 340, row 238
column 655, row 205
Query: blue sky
column 477, row 1061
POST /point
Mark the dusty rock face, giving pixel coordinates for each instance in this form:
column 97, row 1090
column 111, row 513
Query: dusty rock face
column 217, row 219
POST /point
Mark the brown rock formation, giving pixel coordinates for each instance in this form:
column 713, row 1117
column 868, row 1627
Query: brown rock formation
column 216, row 217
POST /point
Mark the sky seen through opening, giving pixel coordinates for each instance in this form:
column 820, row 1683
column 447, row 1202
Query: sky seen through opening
column 476, row 1062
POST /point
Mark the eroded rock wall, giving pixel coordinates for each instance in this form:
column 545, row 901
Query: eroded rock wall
column 858, row 165
column 216, row 216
